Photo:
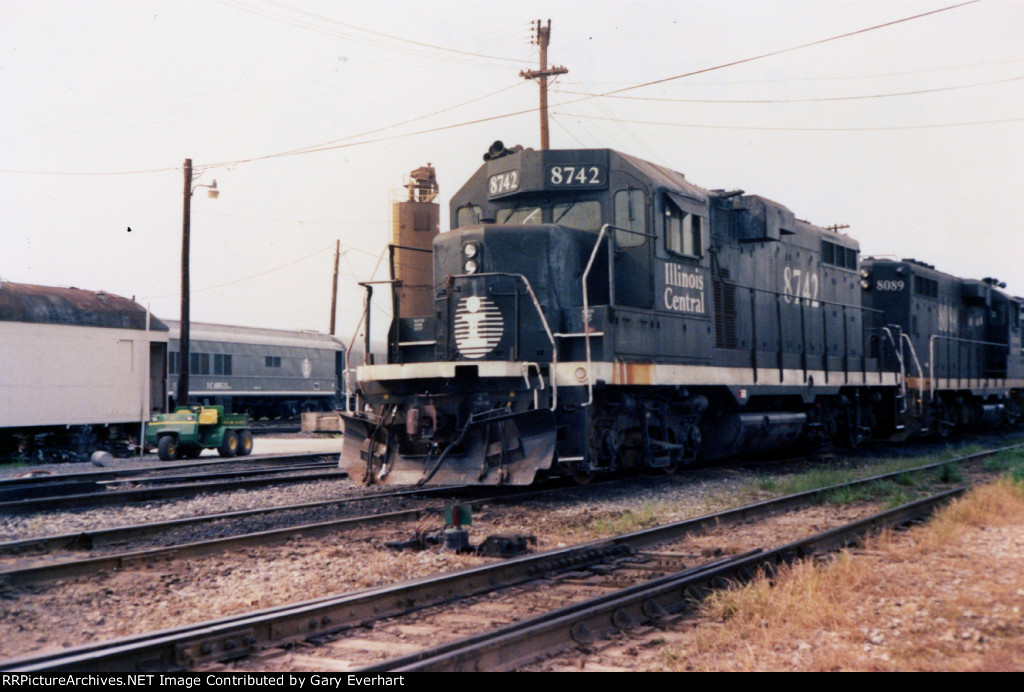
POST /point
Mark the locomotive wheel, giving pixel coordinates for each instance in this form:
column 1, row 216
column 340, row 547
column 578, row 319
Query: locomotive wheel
column 244, row 443
column 581, row 475
column 229, row 445
column 167, row 448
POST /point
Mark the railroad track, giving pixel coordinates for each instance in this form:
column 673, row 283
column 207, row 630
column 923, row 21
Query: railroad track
column 340, row 624
column 106, row 488
column 60, row 556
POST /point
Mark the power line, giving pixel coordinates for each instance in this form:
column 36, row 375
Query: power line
column 800, row 129
column 833, row 78
column 807, row 100
column 334, row 144
column 616, row 91
column 461, row 56
column 151, row 170
column 396, row 38
column 789, row 50
column 405, row 122
column 245, row 278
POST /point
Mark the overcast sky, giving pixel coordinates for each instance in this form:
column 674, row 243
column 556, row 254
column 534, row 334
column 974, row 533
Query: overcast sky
column 912, row 134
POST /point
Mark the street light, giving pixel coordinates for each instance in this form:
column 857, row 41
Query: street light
column 181, row 396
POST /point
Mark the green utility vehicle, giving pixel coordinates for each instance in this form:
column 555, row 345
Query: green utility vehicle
column 191, row 429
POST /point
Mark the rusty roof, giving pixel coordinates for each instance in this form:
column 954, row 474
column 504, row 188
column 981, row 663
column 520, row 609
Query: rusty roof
column 72, row 306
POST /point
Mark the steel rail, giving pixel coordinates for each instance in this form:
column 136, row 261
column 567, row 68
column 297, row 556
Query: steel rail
column 594, row 619
column 126, row 560
column 237, row 636
column 88, row 540
column 117, row 497
column 92, row 476
column 57, row 489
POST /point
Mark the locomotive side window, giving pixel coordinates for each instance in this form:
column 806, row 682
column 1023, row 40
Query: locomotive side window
column 682, row 231
column 924, row 286
column 630, row 215
column 838, row 256
column 583, row 216
column 468, row 215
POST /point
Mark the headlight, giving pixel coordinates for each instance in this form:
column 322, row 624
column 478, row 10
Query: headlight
column 864, row 274
column 865, row 284
column 469, row 250
column 470, row 266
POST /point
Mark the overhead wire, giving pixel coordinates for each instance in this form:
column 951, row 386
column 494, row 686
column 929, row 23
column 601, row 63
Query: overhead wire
column 810, row 129
column 833, row 78
column 435, row 53
column 791, row 49
column 326, row 147
column 224, row 101
column 915, row 92
column 245, row 278
column 391, row 36
column 337, row 144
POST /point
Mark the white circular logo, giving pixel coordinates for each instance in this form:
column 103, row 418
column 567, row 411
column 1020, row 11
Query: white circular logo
column 478, row 326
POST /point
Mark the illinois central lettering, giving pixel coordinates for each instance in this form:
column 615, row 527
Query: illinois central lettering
column 684, row 291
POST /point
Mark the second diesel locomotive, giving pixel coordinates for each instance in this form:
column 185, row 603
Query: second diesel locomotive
column 596, row 312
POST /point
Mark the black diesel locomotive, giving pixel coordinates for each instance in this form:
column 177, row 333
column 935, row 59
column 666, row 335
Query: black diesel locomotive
column 595, row 312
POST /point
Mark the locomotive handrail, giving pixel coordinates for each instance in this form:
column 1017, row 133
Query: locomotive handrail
column 586, row 312
column 898, row 350
column 367, row 356
column 913, row 352
column 586, row 296
column 931, row 358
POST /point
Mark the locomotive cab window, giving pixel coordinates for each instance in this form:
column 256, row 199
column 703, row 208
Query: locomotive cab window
column 468, row 215
column 630, row 215
column 583, row 216
column 683, row 230
column 519, row 216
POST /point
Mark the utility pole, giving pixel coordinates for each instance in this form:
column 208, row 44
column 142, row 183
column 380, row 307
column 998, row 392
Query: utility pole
column 181, row 396
column 542, row 40
column 334, row 286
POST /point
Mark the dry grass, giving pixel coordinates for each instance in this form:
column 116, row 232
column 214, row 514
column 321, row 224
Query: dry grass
column 946, row 596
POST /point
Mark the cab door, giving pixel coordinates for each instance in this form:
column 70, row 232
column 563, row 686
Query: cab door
column 633, row 250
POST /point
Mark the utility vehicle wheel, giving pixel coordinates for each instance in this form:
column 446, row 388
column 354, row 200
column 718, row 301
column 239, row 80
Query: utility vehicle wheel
column 167, row 448
column 229, row 445
column 244, row 443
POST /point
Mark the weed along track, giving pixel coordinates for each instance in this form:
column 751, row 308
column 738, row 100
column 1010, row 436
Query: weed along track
column 403, row 614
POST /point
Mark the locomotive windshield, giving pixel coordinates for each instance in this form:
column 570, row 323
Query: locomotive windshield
column 580, row 215
column 520, row 215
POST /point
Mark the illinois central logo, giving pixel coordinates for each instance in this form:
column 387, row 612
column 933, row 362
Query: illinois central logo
column 478, row 326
